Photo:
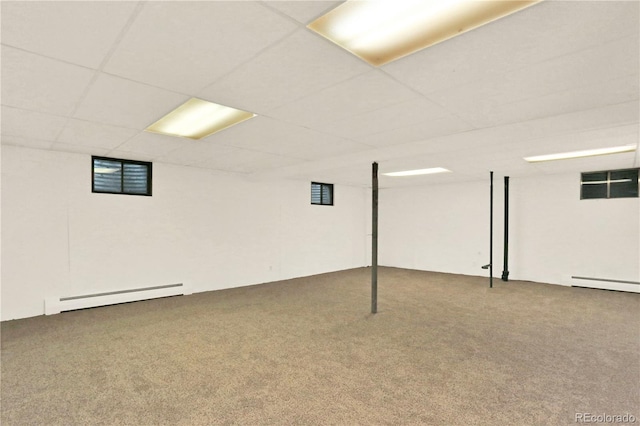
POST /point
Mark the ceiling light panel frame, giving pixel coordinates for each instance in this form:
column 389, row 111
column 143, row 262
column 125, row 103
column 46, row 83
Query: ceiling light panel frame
column 381, row 31
column 197, row 119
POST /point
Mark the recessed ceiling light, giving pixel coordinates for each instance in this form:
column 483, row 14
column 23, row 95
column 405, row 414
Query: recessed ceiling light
column 196, row 119
column 381, row 31
column 579, row 154
column 419, row 172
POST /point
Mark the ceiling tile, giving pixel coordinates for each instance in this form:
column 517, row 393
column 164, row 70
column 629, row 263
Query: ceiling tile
column 594, row 118
column 476, row 150
column 196, row 152
column 303, row 11
column 579, row 127
column 124, row 103
column 82, row 149
column 253, row 161
column 479, row 168
column 25, row 142
column 154, row 145
column 506, row 160
column 129, row 155
column 186, row 46
column 301, row 64
column 396, row 116
column 354, row 160
column 313, row 145
column 357, row 174
column 610, row 92
column 561, row 75
column 30, row 124
column 415, row 162
column 416, row 132
column 435, row 179
column 454, row 143
column 544, row 31
column 245, row 161
column 579, row 165
column 78, row 32
column 577, row 141
column 94, row 135
column 267, row 135
column 427, row 180
column 364, row 93
column 259, row 132
column 571, row 77
column 585, row 68
column 34, row 82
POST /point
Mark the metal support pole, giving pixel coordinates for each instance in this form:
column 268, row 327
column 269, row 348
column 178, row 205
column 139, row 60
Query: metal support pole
column 505, row 270
column 491, row 234
column 374, row 239
column 489, row 266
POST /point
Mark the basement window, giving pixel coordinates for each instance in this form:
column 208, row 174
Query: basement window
column 116, row 176
column 322, row 194
column 609, row 184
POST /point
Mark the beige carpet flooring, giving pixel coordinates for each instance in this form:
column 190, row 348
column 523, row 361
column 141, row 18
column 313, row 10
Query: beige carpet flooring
column 443, row 350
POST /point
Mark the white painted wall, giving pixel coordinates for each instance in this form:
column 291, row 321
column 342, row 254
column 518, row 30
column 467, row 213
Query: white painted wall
column 442, row 228
column 202, row 228
column 557, row 235
column 553, row 234
column 214, row 231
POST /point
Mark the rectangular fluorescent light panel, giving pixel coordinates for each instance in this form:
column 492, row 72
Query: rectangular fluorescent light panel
column 196, row 119
column 419, row 172
column 381, row 31
column 580, row 154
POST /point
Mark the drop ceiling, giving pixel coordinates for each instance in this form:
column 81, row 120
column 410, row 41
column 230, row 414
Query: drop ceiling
column 89, row 77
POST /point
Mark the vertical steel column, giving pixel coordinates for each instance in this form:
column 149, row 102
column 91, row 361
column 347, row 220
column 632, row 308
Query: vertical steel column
column 491, row 233
column 505, row 270
column 374, row 239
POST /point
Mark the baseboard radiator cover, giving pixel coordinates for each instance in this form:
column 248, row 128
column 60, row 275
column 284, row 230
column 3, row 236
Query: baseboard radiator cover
column 56, row 305
column 606, row 284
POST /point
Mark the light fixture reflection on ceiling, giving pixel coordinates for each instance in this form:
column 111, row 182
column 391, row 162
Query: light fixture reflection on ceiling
column 196, row 119
column 580, row 154
column 381, row 31
column 419, row 172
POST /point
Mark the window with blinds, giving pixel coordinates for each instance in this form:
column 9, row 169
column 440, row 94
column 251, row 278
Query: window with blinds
column 609, row 184
column 115, row 176
column 322, row 194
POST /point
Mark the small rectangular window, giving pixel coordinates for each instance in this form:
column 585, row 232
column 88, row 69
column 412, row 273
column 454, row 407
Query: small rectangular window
column 115, row 176
column 609, row 184
column 624, row 184
column 594, row 185
column 322, row 193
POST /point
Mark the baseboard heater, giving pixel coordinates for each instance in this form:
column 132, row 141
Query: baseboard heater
column 70, row 303
column 607, row 284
